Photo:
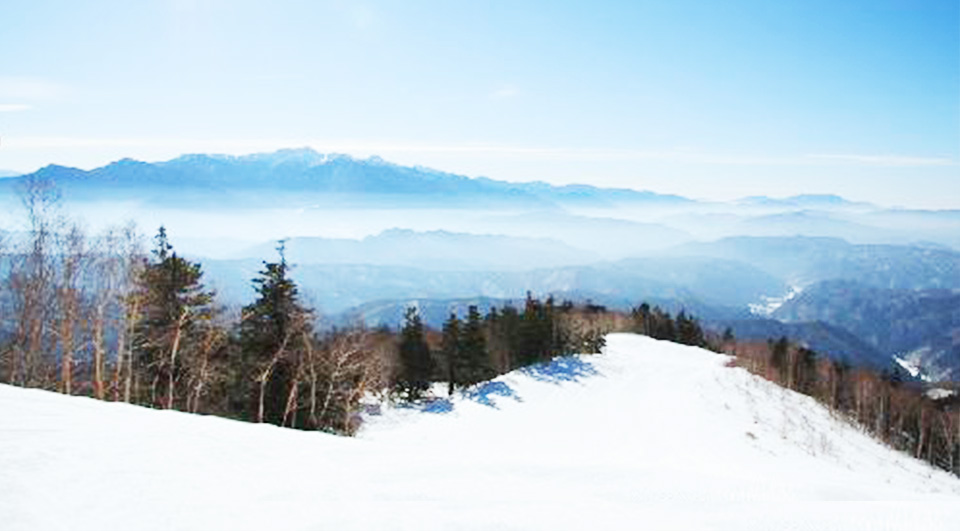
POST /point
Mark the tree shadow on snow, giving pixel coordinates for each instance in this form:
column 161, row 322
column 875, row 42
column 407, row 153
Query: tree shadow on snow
column 556, row 371
column 559, row 370
column 437, row 405
column 485, row 393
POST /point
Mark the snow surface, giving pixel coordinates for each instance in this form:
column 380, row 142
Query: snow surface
column 768, row 305
column 650, row 435
column 910, row 365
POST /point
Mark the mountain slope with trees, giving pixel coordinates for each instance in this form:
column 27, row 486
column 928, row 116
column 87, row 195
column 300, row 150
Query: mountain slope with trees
column 921, row 326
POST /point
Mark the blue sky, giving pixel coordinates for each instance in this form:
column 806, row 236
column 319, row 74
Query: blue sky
column 703, row 99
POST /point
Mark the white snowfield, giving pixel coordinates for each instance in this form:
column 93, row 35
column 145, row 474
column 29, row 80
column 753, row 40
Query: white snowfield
column 650, row 435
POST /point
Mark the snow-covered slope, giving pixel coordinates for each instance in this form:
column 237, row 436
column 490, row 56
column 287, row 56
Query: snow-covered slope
column 649, row 435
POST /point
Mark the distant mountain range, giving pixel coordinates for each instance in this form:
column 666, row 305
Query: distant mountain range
column 307, row 181
column 304, row 170
column 298, row 174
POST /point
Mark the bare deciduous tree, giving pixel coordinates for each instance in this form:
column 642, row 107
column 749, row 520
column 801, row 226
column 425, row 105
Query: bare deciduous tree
column 31, row 284
column 70, row 291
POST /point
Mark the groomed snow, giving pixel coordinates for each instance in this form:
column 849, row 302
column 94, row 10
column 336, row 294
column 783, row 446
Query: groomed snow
column 650, row 435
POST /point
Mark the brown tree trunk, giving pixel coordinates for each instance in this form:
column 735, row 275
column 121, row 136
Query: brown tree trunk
column 117, row 379
column 172, row 364
column 126, row 349
column 265, row 376
column 98, row 353
column 66, row 363
column 920, row 436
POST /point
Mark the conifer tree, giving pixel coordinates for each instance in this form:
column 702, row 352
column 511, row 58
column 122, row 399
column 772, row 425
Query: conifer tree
column 779, row 353
column 176, row 314
column 532, row 338
column 474, row 361
column 273, row 330
column 416, row 364
column 642, row 320
column 688, row 330
column 806, row 372
column 504, row 330
column 728, row 337
column 450, row 349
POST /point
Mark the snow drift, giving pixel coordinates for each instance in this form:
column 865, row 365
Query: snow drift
column 649, row 435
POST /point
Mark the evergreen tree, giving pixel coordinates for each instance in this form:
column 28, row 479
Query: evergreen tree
column 642, row 320
column 779, row 353
column 557, row 342
column 177, row 312
column 728, row 337
column 806, row 371
column 688, row 330
column 535, row 333
column 273, row 330
column 504, row 337
column 474, row 361
column 451, row 350
column 663, row 325
column 416, row 364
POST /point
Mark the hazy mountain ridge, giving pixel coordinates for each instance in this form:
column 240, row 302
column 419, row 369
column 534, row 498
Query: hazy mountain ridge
column 339, row 287
column 922, row 324
column 826, row 339
column 304, row 170
column 431, row 250
column 805, row 260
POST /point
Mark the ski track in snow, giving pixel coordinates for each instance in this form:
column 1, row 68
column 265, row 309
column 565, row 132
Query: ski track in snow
column 650, row 435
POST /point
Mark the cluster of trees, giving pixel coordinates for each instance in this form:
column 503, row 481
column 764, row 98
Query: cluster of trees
column 64, row 299
column 479, row 347
column 659, row 324
column 905, row 415
column 98, row 316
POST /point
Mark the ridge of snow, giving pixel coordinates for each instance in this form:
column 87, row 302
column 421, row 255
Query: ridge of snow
column 648, row 435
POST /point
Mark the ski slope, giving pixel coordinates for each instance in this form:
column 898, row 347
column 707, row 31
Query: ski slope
column 649, row 435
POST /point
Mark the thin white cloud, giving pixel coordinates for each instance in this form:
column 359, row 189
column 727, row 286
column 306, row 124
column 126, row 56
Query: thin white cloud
column 14, row 107
column 30, row 89
column 885, row 160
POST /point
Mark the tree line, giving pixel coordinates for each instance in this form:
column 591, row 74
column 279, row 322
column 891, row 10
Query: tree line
column 479, row 347
column 906, row 415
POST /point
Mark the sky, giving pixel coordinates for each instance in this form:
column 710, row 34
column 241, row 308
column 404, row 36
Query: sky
column 711, row 100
